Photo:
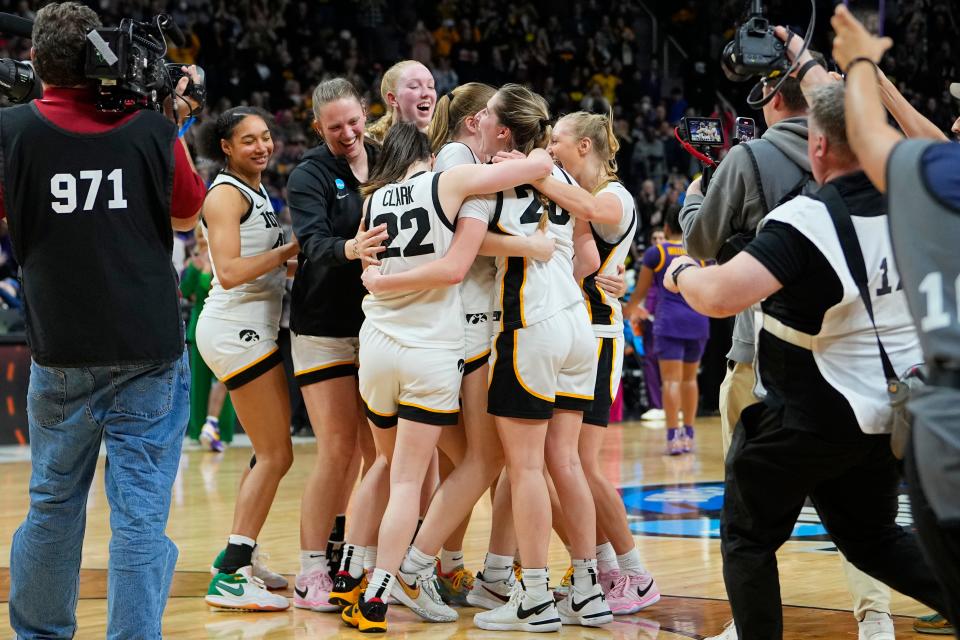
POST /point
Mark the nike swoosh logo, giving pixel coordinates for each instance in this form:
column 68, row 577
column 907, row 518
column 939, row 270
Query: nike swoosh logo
column 341, row 197
column 302, row 594
column 496, row 595
column 523, row 614
column 260, row 207
column 413, row 592
column 643, row 592
column 235, row 591
column 577, row 606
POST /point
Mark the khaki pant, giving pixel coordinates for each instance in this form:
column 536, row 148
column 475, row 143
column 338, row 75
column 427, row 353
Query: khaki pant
column 736, row 394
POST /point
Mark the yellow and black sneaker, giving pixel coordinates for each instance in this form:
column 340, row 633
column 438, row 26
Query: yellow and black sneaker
column 346, row 589
column 367, row 617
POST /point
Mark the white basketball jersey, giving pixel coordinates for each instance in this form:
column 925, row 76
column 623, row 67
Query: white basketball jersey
column 261, row 299
column 613, row 243
column 477, row 286
column 419, row 233
column 845, row 349
column 528, row 291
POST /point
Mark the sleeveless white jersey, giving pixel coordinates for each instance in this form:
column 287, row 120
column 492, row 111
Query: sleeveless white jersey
column 613, row 243
column 419, row 233
column 477, row 286
column 261, row 299
column 845, row 350
column 528, row 291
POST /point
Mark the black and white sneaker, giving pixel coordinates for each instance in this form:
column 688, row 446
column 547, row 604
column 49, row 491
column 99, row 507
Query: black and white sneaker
column 587, row 608
column 522, row 613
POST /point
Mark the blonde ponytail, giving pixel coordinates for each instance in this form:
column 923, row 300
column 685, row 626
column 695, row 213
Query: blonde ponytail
column 598, row 128
column 455, row 107
column 391, row 78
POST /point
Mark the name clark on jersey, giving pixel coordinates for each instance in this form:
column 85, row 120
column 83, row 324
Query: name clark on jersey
column 400, row 195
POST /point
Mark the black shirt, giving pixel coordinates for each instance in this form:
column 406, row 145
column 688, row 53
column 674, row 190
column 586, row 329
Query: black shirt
column 810, row 287
column 325, row 202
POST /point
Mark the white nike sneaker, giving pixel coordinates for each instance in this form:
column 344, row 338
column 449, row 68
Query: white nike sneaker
column 653, row 415
column 490, row 594
column 877, row 626
column 420, row 595
column 729, row 633
column 272, row 579
column 586, row 608
column 521, row 613
column 243, row 591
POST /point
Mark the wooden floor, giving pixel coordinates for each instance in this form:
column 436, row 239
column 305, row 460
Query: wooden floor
column 671, row 501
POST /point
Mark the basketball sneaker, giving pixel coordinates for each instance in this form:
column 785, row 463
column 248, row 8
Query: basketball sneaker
column 271, row 578
column 628, row 594
column 876, row 626
column 210, row 437
column 687, row 438
column 243, row 591
column 420, row 595
column 653, row 415
column 312, row 591
column 934, row 624
column 490, row 594
column 454, row 587
column 366, row 617
column 587, row 608
column 521, row 613
column 346, row 589
column 674, row 441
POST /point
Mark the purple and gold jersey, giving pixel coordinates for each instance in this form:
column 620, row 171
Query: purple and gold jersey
column 673, row 317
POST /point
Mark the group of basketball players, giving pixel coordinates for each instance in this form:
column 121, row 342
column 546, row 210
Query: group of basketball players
column 455, row 314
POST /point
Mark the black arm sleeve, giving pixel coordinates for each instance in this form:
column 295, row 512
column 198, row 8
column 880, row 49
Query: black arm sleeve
column 308, row 198
column 783, row 251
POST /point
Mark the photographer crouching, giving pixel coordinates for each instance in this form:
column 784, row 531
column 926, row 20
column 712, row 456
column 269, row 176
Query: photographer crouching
column 822, row 429
column 90, row 198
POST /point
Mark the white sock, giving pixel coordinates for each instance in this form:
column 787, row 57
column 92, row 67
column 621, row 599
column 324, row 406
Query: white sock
column 379, row 586
column 584, row 574
column 213, row 420
column 310, row 560
column 535, row 582
column 235, row 539
column 497, row 567
column 370, row 559
column 418, row 562
column 630, row 563
column 450, row 560
column 606, row 558
column 353, row 560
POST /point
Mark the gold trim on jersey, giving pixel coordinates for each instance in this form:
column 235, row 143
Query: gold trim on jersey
column 516, row 370
column 663, row 258
column 339, row 363
column 575, row 395
column 475, row 358
column 375, row 412
column 427, row 409
column 252, row 364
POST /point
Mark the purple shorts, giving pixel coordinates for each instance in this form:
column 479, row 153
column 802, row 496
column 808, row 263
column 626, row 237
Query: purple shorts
column 686, row 349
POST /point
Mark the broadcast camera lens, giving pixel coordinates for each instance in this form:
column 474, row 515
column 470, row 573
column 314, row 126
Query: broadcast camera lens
column 728, row 63
column 18, row 82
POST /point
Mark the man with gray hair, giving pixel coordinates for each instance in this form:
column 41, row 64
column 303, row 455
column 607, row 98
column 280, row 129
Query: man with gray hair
column 822, row 429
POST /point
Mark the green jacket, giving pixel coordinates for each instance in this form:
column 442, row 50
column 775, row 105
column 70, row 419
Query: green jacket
column 195, row 286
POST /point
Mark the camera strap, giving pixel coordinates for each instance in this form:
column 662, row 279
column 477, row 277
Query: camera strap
column 853, row 254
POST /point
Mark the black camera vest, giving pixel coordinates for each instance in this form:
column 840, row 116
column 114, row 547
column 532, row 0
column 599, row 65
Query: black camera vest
column 89, row 218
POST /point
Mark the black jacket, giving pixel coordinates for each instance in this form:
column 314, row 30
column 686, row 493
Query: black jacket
column 325, row 202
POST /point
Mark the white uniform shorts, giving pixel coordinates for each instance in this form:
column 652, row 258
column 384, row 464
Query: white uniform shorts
column 413, row 383
column 551, row 364
column 237, row 351
column 318, row 358
column 479, row 339
column 609, row 370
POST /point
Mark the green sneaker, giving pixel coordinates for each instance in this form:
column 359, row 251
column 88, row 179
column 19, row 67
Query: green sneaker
column 934, row 624
column 454, row 586
column 242, row 591
column 271, row 578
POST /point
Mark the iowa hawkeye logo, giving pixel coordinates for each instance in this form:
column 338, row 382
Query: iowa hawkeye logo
column 693, row 511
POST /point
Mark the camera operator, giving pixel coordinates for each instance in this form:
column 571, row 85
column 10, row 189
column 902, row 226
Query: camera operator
column 822, row 428
column 921, row 181
column 90, row 198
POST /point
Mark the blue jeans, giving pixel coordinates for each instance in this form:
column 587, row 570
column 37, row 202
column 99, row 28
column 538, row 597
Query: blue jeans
column 140, row 413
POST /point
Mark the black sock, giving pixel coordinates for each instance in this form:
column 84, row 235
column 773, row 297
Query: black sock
column 237, row 555
column 339, row 528
column 419, row 523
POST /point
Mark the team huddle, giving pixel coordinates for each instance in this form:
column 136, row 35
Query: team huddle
column 456, row 315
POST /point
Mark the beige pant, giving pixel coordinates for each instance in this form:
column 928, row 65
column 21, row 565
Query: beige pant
column 736, row 394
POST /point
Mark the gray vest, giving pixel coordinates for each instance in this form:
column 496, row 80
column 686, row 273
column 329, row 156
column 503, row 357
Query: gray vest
column 778, row 179
column 926, row 241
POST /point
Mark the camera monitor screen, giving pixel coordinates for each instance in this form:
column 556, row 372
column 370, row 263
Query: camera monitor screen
column 707, row 131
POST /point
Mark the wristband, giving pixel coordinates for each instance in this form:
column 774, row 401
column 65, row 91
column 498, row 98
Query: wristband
column 676, row 273
column 861, row 59
column 809, row 64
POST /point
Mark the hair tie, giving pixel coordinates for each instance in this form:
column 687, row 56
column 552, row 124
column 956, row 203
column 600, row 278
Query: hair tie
column 544, row 123
column 450, row 95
